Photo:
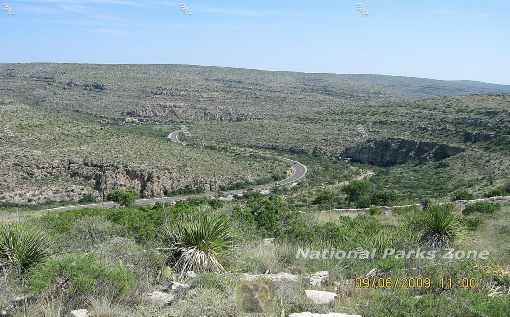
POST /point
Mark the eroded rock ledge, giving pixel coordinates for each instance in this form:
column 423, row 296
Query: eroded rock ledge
column 390, row 152
column 96, row 178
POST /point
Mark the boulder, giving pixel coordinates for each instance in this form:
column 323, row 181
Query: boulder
column 319, row 278
column 320, row 297
column 175, row 288
column 159, row 298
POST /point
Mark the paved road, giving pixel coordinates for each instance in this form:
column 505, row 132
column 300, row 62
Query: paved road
column 298, row 172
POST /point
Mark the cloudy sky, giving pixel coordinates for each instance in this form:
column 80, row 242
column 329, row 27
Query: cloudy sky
column 455, row 39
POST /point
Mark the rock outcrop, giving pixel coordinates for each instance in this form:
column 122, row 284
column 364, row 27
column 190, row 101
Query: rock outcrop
column 97, row 179
column 390, row 152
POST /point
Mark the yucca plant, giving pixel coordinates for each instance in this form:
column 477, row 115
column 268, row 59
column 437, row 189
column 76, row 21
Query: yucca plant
column 439, row 226
column 22, row 247
column 198, row 242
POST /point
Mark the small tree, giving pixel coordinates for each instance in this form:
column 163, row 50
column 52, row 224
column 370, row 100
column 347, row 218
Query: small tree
column 123, row 197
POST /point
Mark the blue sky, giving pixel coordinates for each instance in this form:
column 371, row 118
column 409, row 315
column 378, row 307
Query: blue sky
column 435, row 39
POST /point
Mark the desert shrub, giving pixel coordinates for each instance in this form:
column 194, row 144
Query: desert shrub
column 220, row 282
column 326, row 198
column 472, row 222
column 462, row 195
column 125, row 198
column 22, row 247
column 358, row 192
column 374, row 211
column 506, row 187
column 140, row 223
column 384, row 198
column 80, row 275
column 64, row 221
column 197, row 242
column 88, row 231
column 146, row 264
column 243, row 216
column 205, row 302
column 268, row 212
column 215, row 203
column 459, row 303
column 88, row 198
column 438, row 226
column 103, row 307
column 481, row 207
column 257, row 257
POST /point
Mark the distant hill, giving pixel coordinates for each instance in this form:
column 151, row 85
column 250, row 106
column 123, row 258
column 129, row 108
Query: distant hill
column 190, row 93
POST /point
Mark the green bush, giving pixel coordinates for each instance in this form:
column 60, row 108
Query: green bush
column 472, row 222
column 22, row 247
column 141, row 223
column 125, row 198
column 80, row 275
column 88, row 231
column 64, row 221
column 462, row 195
column 384, row 198
column 374, row 211
column 326, row 198
column 214, row 281
column 88, row 198
column 197, row 242
column 481, row 207
column 358, row 192
column 268, row 213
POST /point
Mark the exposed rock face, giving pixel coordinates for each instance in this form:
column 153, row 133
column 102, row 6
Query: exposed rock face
column 475, row 137
column 390, row 152
column 98, row 179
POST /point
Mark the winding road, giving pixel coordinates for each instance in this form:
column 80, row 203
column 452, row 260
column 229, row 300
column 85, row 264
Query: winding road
column 298, row 173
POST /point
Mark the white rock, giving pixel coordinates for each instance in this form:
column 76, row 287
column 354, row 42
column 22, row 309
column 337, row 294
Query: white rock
column 280, row 277
column 176, row 288
column 319, row 278
column 191, row 274
column 320, row 297
column 160, row 298
column 307, row 314
column 80, row 313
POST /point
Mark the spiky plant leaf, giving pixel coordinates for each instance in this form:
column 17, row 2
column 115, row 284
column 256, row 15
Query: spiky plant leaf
column 439, row 226
column 22, row 247
column 198, row 241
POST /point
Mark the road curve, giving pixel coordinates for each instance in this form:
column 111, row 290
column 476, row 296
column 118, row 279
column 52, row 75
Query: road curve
column 298, row 173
